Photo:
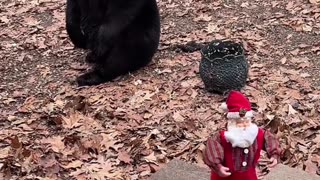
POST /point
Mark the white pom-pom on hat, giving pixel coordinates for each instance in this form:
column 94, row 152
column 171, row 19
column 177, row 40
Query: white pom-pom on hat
column 224, row 106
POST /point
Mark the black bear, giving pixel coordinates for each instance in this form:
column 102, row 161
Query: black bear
column 122, row 35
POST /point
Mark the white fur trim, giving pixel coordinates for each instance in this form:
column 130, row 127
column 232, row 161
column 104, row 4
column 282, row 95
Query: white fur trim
column 235, row 115
column 224, row 106
column 240, row 137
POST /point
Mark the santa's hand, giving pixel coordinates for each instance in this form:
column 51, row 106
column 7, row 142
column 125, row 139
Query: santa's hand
column 224, row 171
column 273, row 162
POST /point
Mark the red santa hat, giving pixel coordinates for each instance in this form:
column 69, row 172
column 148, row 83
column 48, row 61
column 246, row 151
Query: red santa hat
column 237, row 106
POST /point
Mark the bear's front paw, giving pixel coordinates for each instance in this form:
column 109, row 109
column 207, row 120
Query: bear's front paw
column 89, row 79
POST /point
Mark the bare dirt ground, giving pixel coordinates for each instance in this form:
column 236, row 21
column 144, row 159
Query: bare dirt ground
column 129, row 128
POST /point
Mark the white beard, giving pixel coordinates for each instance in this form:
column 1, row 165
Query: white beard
column 241, row 137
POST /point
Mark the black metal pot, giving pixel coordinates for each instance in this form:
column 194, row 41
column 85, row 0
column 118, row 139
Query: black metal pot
column 223, row 66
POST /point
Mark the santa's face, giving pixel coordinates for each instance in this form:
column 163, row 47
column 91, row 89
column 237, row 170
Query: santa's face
column 241, row 123
column 241, row 132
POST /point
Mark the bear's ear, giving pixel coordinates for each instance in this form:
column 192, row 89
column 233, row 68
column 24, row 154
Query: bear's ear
column 224, row 106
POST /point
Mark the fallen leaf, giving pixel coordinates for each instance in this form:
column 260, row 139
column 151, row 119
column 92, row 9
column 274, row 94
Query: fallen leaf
column 4, row 153
column 304, row 75
column 125, row 157
column 314, row 1
column 307, row 28
column 56, row 143
column 311, row 167
column 72, row 120
column 291, row 111
column 15, row 143
column 151, row 158
column 4, row 19
column 283, row 60
column 203, row 17
column 73, row 164
column 12, row 118
column 177, row 117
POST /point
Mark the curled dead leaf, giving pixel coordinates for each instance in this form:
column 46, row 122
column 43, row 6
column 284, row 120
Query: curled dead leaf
column 124, row 157
column 4, row 19
column 73, row 164
column 78, row 66
column 291, row 111
column 311, row 167
column 56, row 143
column 151, row 158
column 72, row 120
column 178, row 117
column 57, row 120
column 283, row 60
column 15, row 143
column 314, row 1
column 12, row 118
column 4, row 153
column 307, row 28
column 203, row 17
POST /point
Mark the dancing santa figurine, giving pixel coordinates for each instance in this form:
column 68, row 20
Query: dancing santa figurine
column 233, row 154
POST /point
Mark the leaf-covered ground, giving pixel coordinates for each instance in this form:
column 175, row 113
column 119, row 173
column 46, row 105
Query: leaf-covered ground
column 129, row 128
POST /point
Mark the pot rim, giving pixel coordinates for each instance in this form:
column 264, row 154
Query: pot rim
column 226, row 56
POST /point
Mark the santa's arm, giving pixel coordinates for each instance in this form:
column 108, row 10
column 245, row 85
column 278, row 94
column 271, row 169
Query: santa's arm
column 214, row 154
column 271, row 145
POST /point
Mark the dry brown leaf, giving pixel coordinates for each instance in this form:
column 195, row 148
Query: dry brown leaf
column 4, row 19
column 304, row 65
column 125, row 157
column 15, row 142
column 151, row 158
column 295, row 52
column 56, row 143
column 73, row 164
column 311, row 167
column 203, row 17
column 178, row 117
column 31, row 21
column 291, row 110
column 12, row 118
column 315, row 158
column 4, row 153
column 314, row 1
column 304, row 75
column 92, row 142
column 103, row 172
column 283, row 60
column 212, row 27
column 78, row 66
column 307, row 28
column 73, row 120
